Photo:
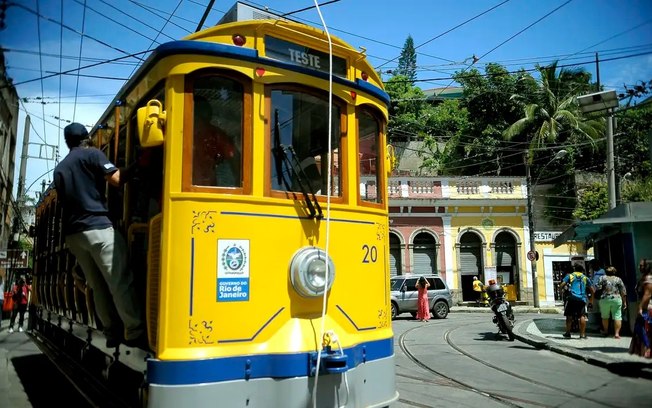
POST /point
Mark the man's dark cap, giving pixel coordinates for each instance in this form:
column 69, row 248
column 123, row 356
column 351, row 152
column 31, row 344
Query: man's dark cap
column 75, row 132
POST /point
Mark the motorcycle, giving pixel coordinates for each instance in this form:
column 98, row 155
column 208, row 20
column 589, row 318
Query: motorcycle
column 503, row 313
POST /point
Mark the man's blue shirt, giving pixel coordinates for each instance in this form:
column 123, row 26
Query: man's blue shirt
column 80, row 183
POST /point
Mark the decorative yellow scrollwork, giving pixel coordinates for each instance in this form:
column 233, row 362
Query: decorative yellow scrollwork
column 203, row 221
column 201, row 332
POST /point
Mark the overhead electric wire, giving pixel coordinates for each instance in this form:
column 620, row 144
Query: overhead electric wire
column 81, row 47
column 139, row 21
column 70, row 28
column 77, row 69
column 149, row 9
column 535, row 69
column 524, row 29
column 69, row 57
column 308, row 8
column 38, row 30
column 368, row 39
column 159, row 32
column 614, row 36
column 449, row 30
column 542, row 60
column 94, row 76
column 56, row 159
column 32, row 123
column 507, row 40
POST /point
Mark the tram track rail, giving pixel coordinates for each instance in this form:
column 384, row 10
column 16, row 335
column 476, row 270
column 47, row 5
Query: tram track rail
column 506, row 400
column 91, row 390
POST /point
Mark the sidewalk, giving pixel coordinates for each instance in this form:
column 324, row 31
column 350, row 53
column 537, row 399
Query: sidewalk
column 545, row 332
column 12, row 346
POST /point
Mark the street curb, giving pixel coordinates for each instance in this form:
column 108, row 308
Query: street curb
column 516, row 310
column 641, row 369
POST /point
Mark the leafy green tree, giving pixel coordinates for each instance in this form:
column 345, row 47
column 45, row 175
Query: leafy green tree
column 640, row 190
column 445, row 124
column 592, row 202
column 407, row 61
column 554, row 113
column 481, row 149
column 631, row 142
column 406, row 110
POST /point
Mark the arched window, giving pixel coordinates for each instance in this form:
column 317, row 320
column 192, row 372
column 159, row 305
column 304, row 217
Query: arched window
column 470, row 263
column 395, row 264
column 424, row 254
column 369, row 165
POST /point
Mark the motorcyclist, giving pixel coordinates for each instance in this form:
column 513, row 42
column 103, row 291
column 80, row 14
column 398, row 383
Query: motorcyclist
column 494, row 290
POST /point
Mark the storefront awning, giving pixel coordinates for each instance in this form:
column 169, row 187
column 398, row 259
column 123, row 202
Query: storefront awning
column 578, row 232
column 582, row 231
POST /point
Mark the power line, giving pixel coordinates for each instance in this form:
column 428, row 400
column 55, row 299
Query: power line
column 133, row 18
column 614, row 36
column 159, row 32
column 40, row 60
column 504, row 42
column 81, row 47
column 69, row 28
column 448, row 31
column 77, row 69
column 523, row 30
column 535, row 69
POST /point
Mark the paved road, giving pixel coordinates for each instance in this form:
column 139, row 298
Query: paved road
column 541, row 370
column 463, row 362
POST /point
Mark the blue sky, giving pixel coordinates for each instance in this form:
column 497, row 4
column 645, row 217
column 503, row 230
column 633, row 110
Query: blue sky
column 544, row 30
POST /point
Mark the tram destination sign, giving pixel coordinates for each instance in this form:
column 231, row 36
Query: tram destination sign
column 303, row 56
column 14, row 258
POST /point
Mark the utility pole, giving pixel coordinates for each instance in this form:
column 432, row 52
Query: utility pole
column 18, row 216
column 601, row 101
column 23, row 161
column 611, row 173
column 597, row 72
column 530, row 221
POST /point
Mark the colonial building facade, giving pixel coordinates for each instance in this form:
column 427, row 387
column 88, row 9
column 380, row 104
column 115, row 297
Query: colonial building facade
column 8, row 137
column 464, row 227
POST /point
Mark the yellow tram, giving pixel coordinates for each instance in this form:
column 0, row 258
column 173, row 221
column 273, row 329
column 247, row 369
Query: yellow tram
column 257, row 227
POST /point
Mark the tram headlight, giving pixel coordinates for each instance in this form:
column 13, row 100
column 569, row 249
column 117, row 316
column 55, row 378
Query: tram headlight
column 308, row 272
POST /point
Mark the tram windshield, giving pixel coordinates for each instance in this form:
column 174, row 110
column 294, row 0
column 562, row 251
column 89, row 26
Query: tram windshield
column 300, row 152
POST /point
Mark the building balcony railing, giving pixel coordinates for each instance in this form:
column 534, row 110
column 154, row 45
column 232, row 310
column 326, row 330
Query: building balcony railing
column 405, row 187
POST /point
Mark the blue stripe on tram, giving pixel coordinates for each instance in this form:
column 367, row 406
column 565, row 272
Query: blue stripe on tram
column 188, row 372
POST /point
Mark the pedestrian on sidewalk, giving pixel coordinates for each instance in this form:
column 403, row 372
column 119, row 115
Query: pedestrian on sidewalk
column 478, row 288
column 613, row 300
column 642, row 336
column 423, row 309
column 579, row 285
column 20, row 295
column 2, row 297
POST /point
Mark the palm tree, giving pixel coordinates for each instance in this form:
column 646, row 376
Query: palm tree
column 554, row 111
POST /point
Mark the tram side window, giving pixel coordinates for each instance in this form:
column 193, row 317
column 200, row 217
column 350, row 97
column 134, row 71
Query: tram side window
column 217, row 132
column 368, row 142
column 299, row 140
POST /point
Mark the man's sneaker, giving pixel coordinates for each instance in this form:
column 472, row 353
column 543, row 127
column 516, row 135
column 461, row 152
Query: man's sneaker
column 11, row 330
column 567, row 335
column 20, row 330
column 583, row 337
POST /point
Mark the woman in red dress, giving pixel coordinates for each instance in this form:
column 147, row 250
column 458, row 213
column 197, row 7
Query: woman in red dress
column 423, row 311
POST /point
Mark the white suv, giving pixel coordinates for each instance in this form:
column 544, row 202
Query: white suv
column 404, row 295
